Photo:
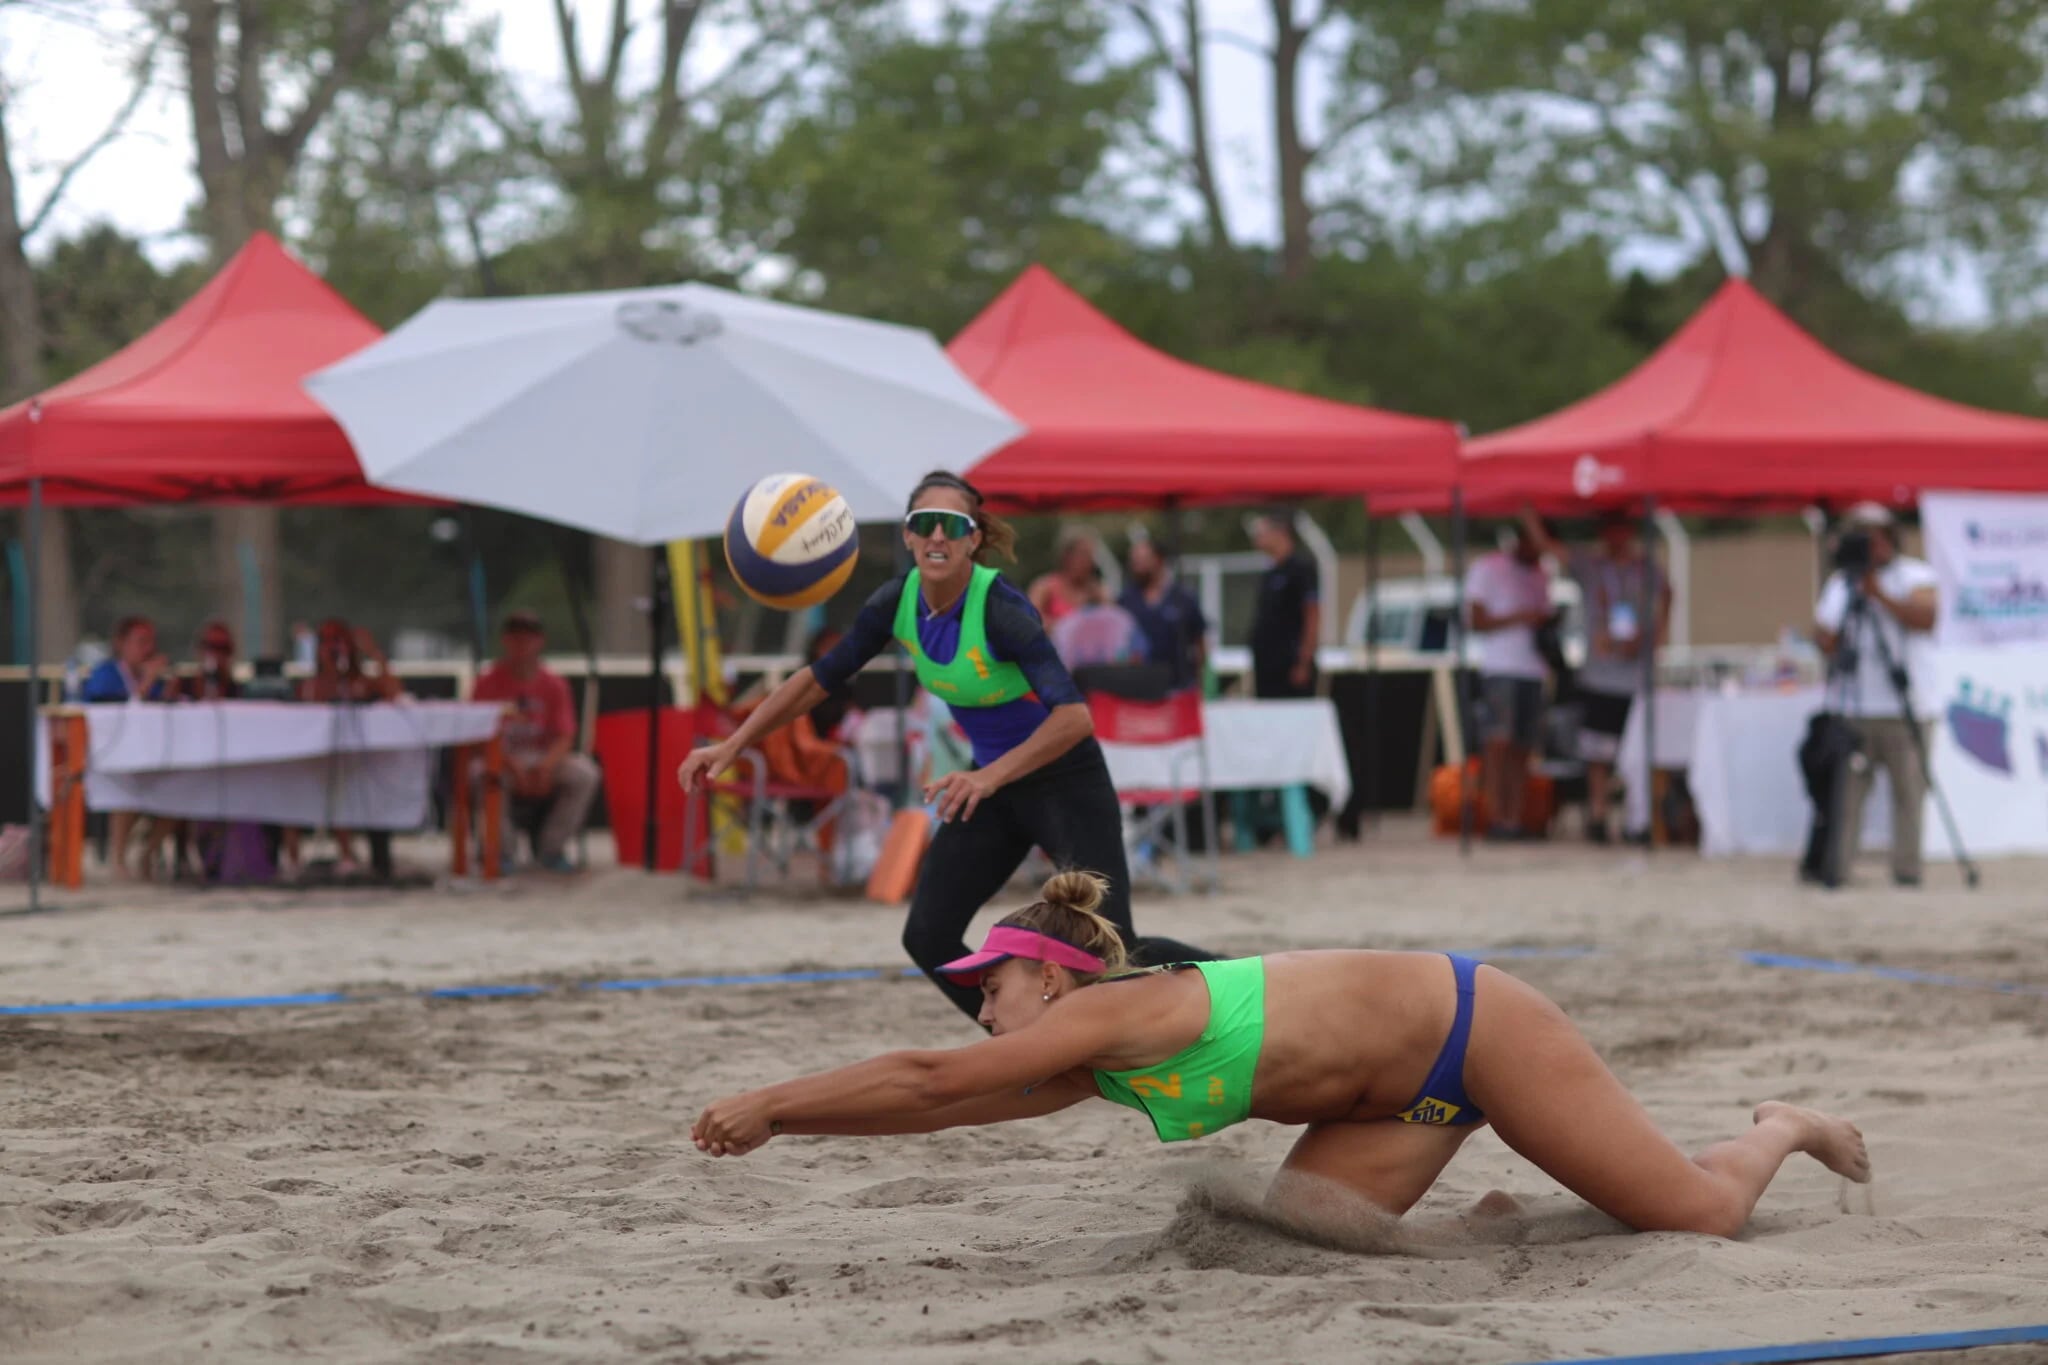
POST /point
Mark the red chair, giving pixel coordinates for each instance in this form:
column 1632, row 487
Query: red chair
column 769, row 784
column 1176, row 773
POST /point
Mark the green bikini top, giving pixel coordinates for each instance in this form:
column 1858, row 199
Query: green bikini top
column 973, row 677
column 1207, row 1085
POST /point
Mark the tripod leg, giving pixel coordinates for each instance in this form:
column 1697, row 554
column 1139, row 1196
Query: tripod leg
column 1918, row 739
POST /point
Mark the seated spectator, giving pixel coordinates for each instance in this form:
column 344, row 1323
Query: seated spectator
column 135, row 672
column 339, row 675
column 538, row 736
column 215, row 678
column 338, row 667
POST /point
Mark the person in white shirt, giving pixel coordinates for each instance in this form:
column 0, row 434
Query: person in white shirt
column 1507, row 597
column 1610, row 578
column 1893, row 600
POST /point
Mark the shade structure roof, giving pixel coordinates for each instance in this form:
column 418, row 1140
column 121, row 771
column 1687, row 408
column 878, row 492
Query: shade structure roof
column 1113, row 423
column 1742, row 408
column 206, row 405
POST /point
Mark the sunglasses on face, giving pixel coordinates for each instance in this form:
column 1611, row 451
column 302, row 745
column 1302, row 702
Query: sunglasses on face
column 956, row 525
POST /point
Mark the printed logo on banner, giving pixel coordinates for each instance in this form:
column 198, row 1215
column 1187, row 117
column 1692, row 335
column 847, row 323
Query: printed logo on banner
column 1980, row 718
column 1990, row 553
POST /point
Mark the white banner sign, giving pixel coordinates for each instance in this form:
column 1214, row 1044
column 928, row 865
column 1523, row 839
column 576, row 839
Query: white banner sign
column 1990, row 747
column 1990, row 552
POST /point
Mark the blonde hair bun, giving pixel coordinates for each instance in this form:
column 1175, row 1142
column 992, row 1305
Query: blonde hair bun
column 1075, row 890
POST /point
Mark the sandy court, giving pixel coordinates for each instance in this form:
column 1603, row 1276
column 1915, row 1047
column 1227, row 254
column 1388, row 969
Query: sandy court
column 510, row 1179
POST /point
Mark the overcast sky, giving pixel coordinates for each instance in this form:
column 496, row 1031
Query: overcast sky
column 68, row 80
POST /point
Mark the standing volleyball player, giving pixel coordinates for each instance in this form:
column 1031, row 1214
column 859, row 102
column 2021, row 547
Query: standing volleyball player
column 1038, row 780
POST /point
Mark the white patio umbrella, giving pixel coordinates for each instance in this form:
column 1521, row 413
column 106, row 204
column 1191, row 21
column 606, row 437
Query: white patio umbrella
column 644, row 414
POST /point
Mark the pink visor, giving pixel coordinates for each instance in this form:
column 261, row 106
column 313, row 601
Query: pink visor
column 1007, row 941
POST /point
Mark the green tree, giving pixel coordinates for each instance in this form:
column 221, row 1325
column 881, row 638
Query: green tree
column 1816, row 144
column 929, row 171
column 260, row 76
column 25, row 364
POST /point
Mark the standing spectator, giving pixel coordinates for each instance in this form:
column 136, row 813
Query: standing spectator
column 1288, row 621
column 339, row 676
column 1610, row 579
column 135, row 672
column 1507, row 598
column 1893, row 598
column 1074, row 583
column 1176, row 634
column 539, row 739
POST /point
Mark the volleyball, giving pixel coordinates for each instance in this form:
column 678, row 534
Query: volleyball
column 791, row 542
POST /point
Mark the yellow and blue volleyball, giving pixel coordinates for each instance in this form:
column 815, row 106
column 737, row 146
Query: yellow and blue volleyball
column 791, row 542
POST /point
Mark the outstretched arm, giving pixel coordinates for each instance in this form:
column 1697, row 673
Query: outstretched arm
column 1061, row 1092
column 916, row 1085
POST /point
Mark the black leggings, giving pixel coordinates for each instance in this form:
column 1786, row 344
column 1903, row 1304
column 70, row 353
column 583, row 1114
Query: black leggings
column 1067, row 808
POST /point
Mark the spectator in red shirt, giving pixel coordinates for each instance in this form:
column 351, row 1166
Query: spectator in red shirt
column 539, row 739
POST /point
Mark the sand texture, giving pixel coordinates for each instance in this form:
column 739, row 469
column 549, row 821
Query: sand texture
column 510, row 1180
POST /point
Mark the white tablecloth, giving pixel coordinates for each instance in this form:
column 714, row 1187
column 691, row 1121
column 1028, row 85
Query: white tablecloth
column 1677, row 715
column 359, row 767
column 1251, row 744
column 1745, row 776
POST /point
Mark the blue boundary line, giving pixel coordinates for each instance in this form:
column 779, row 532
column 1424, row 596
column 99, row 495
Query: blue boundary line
column 658, row 983
column 1858, row 1348
column 1830, row 965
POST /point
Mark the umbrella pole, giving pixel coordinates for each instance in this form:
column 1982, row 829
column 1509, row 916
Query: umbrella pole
column 1464, row 687
column 584, row 643
column 35, row 687
column 657, row 604
column 1368, row 805
column 479, row 596
column 1647, row 628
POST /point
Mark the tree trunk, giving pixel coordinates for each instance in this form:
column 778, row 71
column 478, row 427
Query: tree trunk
column 1292, row 155
column 1195, row 81
column 21, row 374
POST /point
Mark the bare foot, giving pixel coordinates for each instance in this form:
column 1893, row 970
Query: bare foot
column 1835, row 1143
column 1496, row 1204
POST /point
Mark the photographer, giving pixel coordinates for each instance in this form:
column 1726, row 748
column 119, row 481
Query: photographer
column 1880, row 604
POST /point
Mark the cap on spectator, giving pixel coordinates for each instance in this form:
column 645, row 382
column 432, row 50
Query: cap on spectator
column 522, row 620
column 1869, row 514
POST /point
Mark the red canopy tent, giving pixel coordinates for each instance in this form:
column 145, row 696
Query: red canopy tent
column 205, row 406
column 1742, row 408
column 1113, row 423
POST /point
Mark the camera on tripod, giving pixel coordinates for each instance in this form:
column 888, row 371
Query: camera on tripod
column 1853, row 552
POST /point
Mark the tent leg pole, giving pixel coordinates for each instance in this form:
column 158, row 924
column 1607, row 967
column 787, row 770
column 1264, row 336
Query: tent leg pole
column 1647, row 626
column 1464, row 681
column 656, row 605
column 35, row 687
column 1369, row 794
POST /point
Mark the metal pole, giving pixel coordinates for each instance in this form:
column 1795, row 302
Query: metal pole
column 1648, row 635
column 656, row 606
column 1369, row 805
column 35, row 687
column 479, row 594
column 1458, row 656
column 900, row 683
column 587, row 712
